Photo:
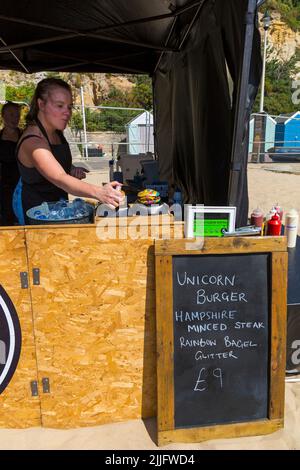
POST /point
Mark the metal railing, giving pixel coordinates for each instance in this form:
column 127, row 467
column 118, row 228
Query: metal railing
column 115, row 134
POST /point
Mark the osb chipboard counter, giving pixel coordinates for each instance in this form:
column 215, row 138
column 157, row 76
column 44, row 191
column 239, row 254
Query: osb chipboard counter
column 91, row 311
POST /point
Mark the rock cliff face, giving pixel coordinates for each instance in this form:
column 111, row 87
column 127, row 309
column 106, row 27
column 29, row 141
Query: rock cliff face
column 282, row 39
column 96, row 86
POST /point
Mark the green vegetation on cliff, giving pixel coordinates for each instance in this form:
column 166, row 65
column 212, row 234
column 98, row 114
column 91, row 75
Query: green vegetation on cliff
column 278, row 86
column 288, row 9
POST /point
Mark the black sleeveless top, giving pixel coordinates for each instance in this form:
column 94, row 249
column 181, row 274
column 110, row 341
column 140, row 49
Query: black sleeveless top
column 9, row 166
column 35, row 188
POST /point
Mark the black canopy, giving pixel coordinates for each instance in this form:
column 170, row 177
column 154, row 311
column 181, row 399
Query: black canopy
column 91, row 35
column 188, row 46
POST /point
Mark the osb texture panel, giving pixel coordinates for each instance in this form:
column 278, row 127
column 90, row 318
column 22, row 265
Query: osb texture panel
column 18, row 409
column 94, row 315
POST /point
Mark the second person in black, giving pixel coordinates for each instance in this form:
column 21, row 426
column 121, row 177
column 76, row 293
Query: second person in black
column 9, row 137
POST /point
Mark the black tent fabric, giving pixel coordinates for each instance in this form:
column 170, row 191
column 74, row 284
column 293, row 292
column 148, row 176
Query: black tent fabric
column 88, row 36
column 195, row 108
column 187, row 46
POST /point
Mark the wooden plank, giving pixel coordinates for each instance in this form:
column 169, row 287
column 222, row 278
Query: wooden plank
column 219, row 432
column 18, row 408
column 11, row 229
column 278, row 334
column 220, row 245
column 94, row 313
column 164, row 343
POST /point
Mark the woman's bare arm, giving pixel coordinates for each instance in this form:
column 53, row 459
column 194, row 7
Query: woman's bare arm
column 39, row 155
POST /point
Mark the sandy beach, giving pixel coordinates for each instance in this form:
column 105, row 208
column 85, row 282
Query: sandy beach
column 272, row 183
column 268, row 184
column 141, row 435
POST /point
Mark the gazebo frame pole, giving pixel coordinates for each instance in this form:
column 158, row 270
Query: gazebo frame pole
column 237, row 155
column 85, row 147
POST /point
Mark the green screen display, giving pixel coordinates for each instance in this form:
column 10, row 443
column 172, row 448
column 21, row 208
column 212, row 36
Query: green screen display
column 213, row 225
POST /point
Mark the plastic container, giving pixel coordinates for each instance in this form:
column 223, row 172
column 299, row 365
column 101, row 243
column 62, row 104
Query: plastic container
column 177, row 205
column 257, row 217
column 274, row 225
column 268, row 217
column 32, row 220
column 291, row 227
column 177, row 197
column 279, row 211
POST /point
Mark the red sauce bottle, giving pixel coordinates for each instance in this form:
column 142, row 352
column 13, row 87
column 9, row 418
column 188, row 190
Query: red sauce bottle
column 274, row 225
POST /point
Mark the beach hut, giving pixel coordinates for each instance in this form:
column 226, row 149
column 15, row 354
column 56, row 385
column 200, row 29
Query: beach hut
column 270, row 132
column 269, row 138
column 140, row 134
column 287, row 133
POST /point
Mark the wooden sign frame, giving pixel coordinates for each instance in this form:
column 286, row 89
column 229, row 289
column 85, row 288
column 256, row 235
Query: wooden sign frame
column 164, row 251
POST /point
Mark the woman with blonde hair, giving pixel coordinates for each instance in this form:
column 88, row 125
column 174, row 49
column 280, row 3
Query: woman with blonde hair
column 44, row 156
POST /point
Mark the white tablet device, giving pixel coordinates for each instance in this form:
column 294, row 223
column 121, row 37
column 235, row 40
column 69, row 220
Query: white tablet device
column 208, row 221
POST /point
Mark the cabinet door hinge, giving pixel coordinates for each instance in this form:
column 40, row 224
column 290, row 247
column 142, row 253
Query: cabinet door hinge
column 24, row 280
column 36, row 276
column 46, row 385
column 34, row 388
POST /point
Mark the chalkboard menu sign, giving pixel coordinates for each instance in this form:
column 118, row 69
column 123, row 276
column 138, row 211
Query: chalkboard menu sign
column 221, row 338
column 221, row 320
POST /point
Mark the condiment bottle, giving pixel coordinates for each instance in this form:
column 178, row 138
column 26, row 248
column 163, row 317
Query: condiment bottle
column 268, row 217
column 279, row 211
column 257, row 217
column 177, row 199
column 177, row 205
column 274, row 225
column 111, row 164
column 291, row 227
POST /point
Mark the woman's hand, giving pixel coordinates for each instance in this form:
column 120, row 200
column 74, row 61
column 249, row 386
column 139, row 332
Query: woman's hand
column 79, row 172
column 109, row 195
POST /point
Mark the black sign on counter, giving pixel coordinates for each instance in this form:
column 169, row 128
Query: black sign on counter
column 221, row 337
column 10, row 339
